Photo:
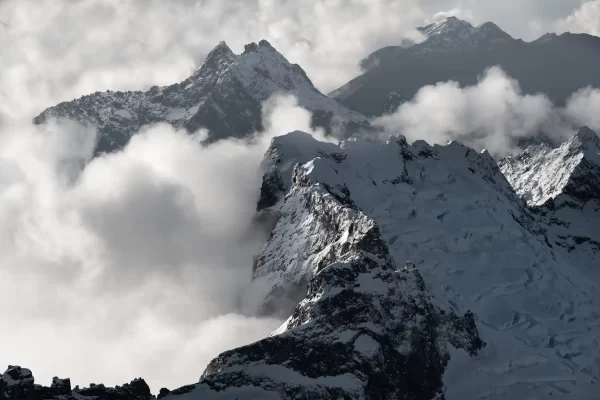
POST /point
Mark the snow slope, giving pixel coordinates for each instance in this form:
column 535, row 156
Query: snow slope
column 494, row 302
column 478, row 246
column 361, row 326
column 562, row 187
column 224, row 95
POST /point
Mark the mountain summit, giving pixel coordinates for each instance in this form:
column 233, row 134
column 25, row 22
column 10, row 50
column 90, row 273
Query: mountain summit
column 224, row 96
column 454, row 33
column 455, row 50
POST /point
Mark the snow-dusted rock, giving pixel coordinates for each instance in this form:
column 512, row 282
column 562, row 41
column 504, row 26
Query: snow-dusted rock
column 562, row 186
column 455, row 34
column 454, row 50
column 18, row 384
column 542, row 174
column 224, row 95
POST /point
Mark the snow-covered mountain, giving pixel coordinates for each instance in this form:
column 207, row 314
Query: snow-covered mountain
column 562, row 186
column 224, row 95
column 556, row 65
column 361, row 326
column 405, row 271
column 476, row 244
column 418, row 272
column 566, row 176
column 455, row 34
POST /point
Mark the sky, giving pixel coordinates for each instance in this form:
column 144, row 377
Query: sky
column 133, row 264
column 57, row 50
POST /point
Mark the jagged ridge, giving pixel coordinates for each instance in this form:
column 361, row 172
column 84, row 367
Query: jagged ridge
column 478, row 246
column 364, row 329
column 224, row 95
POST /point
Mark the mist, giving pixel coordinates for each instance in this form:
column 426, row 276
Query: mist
column 130, row 264
column 493, row 114
column 55, row 51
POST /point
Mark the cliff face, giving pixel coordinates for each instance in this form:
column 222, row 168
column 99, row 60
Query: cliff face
column 362, row 327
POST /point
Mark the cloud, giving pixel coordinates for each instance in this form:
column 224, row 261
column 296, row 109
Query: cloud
column 582, row 108
column 59, row 50
column 488, row 115
column 55, row 51
column 466, row 15
column 133, row 263
column 585, row 19
column 493, row 114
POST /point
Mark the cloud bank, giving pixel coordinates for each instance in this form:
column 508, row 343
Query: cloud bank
column 55, row 51
column 494, row 114
column 584, row 19
column 116, row 267
column 59, row 50
column 131, row 264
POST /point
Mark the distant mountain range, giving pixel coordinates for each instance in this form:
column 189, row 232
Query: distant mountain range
column 556, row 65
column 224, row 96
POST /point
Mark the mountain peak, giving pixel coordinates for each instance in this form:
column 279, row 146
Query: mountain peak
column 455, row 34
column 253, row 47
column 492, row 29
column 223, row 96
column 542, row 174
column 221, row 53
column 586, row 139
column 445, row 26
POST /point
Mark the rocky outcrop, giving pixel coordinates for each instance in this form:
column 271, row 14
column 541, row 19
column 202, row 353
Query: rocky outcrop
column 18, row 384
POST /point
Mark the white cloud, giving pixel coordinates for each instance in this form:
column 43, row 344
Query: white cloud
column 585, row 19
column 487, row 115
column 58, row 50
column 131, row 264
column 582, row 108
column 460, row 13
column 493, row 114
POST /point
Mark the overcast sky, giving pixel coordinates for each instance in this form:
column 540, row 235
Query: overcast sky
column 55, row 50
column 133, row 265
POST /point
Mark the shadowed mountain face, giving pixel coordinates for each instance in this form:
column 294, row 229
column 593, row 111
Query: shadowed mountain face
column 224, row 95
column 455, row 50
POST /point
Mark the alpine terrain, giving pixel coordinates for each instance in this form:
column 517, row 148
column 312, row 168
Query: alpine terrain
column 403, row 271
column 224, row 96
column 454, row 50
column 498, row 298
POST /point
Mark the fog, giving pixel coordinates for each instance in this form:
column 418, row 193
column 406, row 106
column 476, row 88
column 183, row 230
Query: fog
column 130, row 264
column 494, row 114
